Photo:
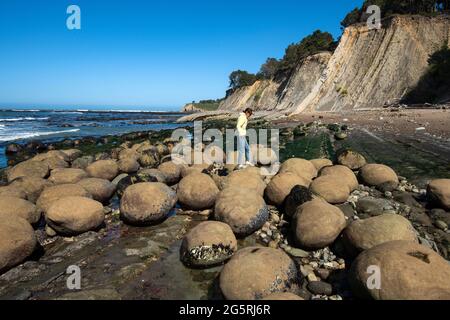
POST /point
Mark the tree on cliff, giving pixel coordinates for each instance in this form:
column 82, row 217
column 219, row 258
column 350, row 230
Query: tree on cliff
column 240, row 78
column 269, row 68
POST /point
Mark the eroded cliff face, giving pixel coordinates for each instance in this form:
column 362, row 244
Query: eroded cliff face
column 369, row 69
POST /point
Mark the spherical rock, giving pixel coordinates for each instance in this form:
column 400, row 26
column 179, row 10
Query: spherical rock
column 74, row 215
column 282, row 296
column 148, row 158
column 374, row 175
column 330, row 189
column 32, row 186
column 82, row 162
column 128, row 165
column 13, row 191
column 55, row 163
column 407, row 270
column 208, row 244
column 52, row 154
column 321, row 163
column 195, row 168
column 53, row 193
column 72, row 154
column 103, row 169
column 281, row 186
column 70, row 175
column 146, row 203
column 28, row 169
column 155, row 173
column 321, row 288
column 364, row 234
column 172, row 171
column 317, row 224
column 129, row 180
column 342, row 174
column 301, row 167
column 11, row 207
column 438, row 193
column 351, row 159
column 298, row 196
column 246, row 180
column 17, row 242
column 128, row 154
column 197, row 191
column 254, row 273
column 101, row 189
column 244, row 211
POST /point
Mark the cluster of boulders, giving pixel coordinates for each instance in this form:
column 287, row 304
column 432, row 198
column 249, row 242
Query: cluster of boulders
column 314, row 219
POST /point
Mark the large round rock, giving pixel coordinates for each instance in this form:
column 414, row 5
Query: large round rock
column 103, row 169
column 197, row 191
column 128, row 165
column 351, row 159
column 342, row 174
column 330, row 189
column 406, row 271
column 254, row 273
column 74, row 215
column 375, row 175
column 32, row 186
column 364, row 234
column 438, row 193
column 28, row 169
column 301, row 167
column 208, row 244
column 101, row 189
column 281, row 185
column 11, row 207
column 146, row 203
column 17, row 242
column 245, row 212
column 171, row 171
column 317, row 224
column 13, row 191
column 247, row 179
column 53, row 193
column 69, row 175
column 321, row 163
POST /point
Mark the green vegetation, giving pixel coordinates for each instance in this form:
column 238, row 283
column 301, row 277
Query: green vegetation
column 390, row 7
column 207, row 105
column 435, row 84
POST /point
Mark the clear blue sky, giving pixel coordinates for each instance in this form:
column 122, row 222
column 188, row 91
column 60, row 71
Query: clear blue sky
column 152, row 54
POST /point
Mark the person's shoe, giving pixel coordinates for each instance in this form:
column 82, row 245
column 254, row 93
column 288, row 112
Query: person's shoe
column 248, row 163
column 241, row 167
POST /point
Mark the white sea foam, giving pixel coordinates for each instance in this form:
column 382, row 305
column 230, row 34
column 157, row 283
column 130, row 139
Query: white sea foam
column 26, row 135
column 22, row 119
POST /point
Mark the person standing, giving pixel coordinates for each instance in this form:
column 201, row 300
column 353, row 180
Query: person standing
column 243, row 147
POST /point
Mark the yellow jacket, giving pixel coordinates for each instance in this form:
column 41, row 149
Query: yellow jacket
column 242, row 124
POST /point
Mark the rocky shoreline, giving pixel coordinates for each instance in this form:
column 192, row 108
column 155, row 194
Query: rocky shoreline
column 141, row 224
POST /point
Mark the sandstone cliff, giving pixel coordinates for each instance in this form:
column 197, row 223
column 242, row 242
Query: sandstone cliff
column 370, row 68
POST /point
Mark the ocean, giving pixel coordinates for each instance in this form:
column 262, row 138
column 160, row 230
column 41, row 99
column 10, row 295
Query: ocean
column 20, row 126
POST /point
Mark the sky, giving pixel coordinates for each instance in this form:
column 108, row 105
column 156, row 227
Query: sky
column 145, row 54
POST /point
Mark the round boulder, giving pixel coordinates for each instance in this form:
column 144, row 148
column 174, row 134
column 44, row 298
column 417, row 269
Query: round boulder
column 28, row 169
column 298, row 196
column 375, row 175
column 438, row 193
column 101, row 189
column 254, row 273
column 351, row 159
column 53, row 193
column 171, row 171
column 364, row 234
column 128, row 165
column 17, row 207
column 62, row 176
column 103, row 169
column 74, row 215
column 281, row 186
column 342, row 174
column 195, row 168
column 72, row 154
column 301, row 167
column 13, row 191
column 197, row 191
column 158, row 175
column 407, row 271
column 330, row 189
column 146, row 203
column 244, row 211
column 208, row 244
column 32, row 186
column 246, row 179
column 321, row 163
column 17, row 242
column 317, row 224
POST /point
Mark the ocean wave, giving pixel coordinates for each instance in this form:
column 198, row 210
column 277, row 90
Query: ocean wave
column 23, row 119
column 26, row 135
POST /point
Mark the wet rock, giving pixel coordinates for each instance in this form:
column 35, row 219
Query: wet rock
column 148, row 158
column 374, row 175
column 351, row 159
column 146, row 203
column 28, row 169
column 340, row 135
column 244, row 211
column 74, row 215
column 409, row 271
column 11, row 207
column 438, row 193
column 208, row 244
column 281, row 186
column 172, row 172
column 341, row 174
column 32, row 186
column 364, row 234
column 101, row 189
column 320, row 287
column 103, row 169
column 155, row 173
column 53, row 193
column 82, row 162
column 13, row 148
column 197, row 191
column 69, row 175
column 321, row 163
column 298, row 196
column 372, row 206
column 129, row 180
column 317, row 224
column 282, row 296
column 330, row 189
column 17, row 242
column 247, row 179
column 276, row 273
column 303, row 168
column 128, row 165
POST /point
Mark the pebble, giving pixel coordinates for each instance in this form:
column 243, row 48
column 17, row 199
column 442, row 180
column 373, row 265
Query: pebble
column 312, row 277
column 441, row 225
column 320, row 288
column 298, row 253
